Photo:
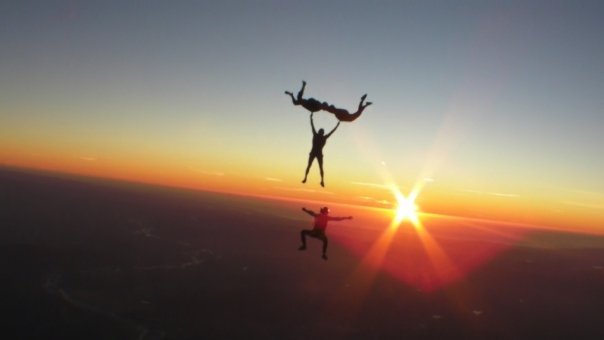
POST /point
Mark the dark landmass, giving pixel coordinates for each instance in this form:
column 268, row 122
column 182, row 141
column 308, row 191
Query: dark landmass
column 92, row 259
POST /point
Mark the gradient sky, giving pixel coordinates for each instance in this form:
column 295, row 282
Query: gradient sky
column 495, row 107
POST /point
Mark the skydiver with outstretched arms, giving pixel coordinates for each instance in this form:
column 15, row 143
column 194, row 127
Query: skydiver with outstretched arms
column 313, row 105
column 318, row 142
column 318, row 230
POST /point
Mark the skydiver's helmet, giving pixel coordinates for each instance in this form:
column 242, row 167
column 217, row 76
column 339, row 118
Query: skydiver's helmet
column 325, row 210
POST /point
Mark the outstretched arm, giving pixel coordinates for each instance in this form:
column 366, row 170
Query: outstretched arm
column 332, row 131
column 312, row 124
column 310, row 212
column 340, row 218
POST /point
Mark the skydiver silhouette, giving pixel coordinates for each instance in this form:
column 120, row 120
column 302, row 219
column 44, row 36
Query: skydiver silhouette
column 318, row 142
column 318, row 230
column 313, row 105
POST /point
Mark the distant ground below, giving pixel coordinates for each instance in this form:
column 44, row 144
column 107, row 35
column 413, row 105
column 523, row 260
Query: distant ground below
column 93, row 259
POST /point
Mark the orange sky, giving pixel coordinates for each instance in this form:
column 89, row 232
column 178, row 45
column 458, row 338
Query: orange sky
column 541, row 210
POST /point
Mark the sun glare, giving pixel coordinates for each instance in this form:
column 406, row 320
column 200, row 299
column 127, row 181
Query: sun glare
column 406, row 209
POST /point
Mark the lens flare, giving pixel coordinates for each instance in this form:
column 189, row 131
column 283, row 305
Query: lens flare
column 406, row 208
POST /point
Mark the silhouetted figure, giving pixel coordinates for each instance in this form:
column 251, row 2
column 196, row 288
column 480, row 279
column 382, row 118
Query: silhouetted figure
column 313, row 105
column 318, row 142
column 345, row 116
column 318, row 230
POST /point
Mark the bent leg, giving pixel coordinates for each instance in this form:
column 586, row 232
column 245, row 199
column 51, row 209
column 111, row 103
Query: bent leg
column 362, row 105
column 362, row 100
column 303, row 234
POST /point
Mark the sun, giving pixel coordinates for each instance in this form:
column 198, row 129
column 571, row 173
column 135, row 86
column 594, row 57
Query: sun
column 405, row 208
